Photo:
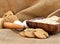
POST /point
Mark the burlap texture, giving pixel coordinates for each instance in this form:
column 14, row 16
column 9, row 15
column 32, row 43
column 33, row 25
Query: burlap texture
column 7, row 36
column 35, row 8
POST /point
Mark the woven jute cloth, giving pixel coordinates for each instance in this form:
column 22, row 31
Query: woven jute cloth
column 33, row 8
column 7, row 36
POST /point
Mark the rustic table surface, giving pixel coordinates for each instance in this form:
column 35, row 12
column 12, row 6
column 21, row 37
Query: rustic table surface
column 8, row 36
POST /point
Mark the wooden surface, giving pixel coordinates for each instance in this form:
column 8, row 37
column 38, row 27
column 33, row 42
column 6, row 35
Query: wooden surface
column 8, row 36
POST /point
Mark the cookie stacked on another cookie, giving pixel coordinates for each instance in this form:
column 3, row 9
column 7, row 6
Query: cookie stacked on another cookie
column 32, row 33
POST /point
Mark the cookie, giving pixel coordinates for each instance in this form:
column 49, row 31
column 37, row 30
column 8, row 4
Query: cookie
column 22, row 33
column 40, row 33
column 9, row 16
column 29, row 32
column 32, row 33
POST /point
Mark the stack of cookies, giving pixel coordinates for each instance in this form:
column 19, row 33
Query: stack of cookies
column 34, row 33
